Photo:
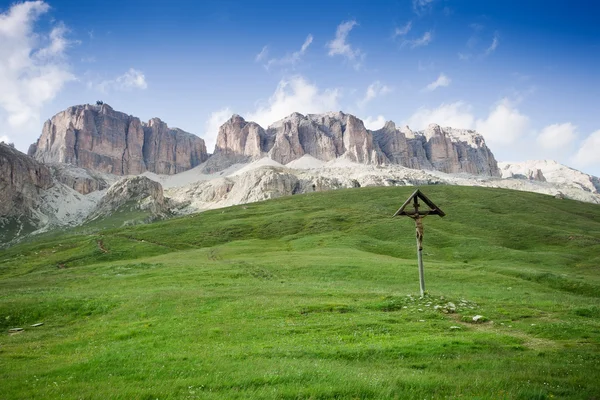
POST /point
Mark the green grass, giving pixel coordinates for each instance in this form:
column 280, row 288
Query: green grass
column 312, row 297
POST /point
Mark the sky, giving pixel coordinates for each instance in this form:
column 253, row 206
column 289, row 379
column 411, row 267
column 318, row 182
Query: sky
column 524, row 74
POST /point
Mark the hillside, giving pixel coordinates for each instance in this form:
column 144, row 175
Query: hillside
column 312, row 296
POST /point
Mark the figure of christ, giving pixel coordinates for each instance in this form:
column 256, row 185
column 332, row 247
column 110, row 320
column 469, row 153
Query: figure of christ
column 419, row 227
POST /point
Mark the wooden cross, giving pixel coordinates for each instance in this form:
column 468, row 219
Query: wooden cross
column 418, row 215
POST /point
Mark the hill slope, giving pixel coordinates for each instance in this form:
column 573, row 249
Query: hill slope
column 313, row 296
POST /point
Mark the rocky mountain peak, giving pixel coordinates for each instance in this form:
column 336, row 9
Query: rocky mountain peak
column 102, row 139
column 335, row 134
column 390, row 126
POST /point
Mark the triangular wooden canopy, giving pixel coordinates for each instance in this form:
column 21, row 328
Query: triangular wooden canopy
column 434, row 210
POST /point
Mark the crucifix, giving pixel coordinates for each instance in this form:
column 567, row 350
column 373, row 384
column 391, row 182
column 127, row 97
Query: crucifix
column 418, row 216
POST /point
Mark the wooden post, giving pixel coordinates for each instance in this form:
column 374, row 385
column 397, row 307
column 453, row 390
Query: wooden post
column 421, row 272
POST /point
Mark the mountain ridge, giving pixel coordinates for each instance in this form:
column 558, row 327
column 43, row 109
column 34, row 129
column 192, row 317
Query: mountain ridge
column 316, row 152
column 102, row 139
column 333, row 135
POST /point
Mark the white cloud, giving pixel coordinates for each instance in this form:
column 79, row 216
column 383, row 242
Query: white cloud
column 211, row 128
column 132, row 79
column 295, row 95
column 504, row 125
column 339, row 46
column 404, row 30
column 291, row 59
column 456, row 115
column 374, row 123
column 557, row 136
column 33, row 67
column 589, row 152
column 493, row 46
column 419, row 42
column 374, row 90
column 422, row 6
column 262, row 55
column 5, row 139
column 441, row 81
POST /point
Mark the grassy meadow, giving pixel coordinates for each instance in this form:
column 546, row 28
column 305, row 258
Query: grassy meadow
column 312, row 297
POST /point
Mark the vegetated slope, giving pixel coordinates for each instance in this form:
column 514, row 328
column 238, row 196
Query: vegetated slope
column 306, row 297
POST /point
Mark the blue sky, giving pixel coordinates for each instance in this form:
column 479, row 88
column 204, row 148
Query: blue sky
column 523, row 73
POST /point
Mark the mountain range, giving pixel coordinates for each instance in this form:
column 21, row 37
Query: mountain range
column 91, row 161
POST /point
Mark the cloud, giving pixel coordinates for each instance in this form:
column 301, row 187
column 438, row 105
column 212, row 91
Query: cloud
column 5, row 139
column 262, row 55
column 557, row 136
column 33, row 67
column 293, row 58
column 504, row 125
column 211, row 127
column 295, row 95
column 588, row 152
column 493, row 46
column 441, row 81
column 132, row 79
column 404, row 30
column 456, row 115
column 374, row 90
column 339, row 46
column 374, row 123
column 419, row 42
column 421, row 7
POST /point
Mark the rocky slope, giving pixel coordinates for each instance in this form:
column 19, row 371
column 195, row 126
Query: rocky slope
column 22, row 179
column 265, row 179
column 136, row 192
column 551, row 172
column 338, row 135
column 104, row 140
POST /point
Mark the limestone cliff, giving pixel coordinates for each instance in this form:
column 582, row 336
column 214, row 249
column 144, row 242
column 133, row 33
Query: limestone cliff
column 334, row 135
column 21, row 181
column 137, row 192
column 104, row 140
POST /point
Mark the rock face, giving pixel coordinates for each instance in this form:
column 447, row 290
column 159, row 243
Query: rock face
column 138, row 192
column 21, row 180
column 551, row 172
column 104, row 140
column 338, row 135
column 79, row 179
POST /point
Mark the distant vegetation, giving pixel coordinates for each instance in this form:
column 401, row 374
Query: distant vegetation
column 312, row 297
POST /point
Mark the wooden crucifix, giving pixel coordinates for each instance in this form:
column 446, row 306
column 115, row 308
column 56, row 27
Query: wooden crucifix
column 418, row 215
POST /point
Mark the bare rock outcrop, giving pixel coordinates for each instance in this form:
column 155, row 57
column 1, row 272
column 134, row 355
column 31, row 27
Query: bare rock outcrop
column 136, row 192
column 99, row 138
column 238, row 141
column 338, row 135
column 323, row 136
column 21, row 181
column 80, row 179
